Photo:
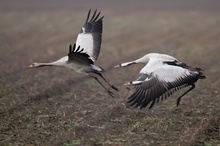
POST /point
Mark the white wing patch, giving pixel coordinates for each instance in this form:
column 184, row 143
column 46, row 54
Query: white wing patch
column 164, row 72
column 85, row 41
column 170, row 73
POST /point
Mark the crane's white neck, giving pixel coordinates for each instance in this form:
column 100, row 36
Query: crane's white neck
column 60, row 62
column 126, row 64
column 143, row 59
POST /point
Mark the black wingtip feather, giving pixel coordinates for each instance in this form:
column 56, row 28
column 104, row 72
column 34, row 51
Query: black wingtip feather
column 147, row 99
column 74, row 46
column 152, row 104
column 70, row 48
column 77, row 50
column 88, row 16
column 73, row 49
column 81, row 50
column 93, row 16
column 140, row 101
column 96, row 17
column 137, row 99
column 201, row 74
column 133, row 98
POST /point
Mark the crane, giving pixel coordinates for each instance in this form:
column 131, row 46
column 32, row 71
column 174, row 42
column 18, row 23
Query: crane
column 83, row 54
column 159, row 78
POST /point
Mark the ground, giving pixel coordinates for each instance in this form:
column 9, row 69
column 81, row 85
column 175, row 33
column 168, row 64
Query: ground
column 56, row 106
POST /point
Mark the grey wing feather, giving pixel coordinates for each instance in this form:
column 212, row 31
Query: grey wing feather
column 150, row 90
column 153, row 90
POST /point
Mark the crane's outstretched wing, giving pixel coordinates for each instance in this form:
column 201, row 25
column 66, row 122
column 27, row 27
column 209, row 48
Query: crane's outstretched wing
column 181, row 64
column 77, row 56
column 159, row 84
column 90, row 37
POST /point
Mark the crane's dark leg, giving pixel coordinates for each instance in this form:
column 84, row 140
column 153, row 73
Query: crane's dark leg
column 109, row 92
column 179, row 98
column 113, row 87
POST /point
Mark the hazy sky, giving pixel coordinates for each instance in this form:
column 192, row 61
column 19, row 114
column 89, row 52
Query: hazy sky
column 111, row 4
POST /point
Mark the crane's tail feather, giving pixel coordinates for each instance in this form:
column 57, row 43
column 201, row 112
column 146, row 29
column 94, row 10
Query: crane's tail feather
column 97, row 68
column 201, row 74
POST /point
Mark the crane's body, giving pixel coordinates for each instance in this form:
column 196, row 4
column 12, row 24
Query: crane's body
column 84, row 53
column 159, row 78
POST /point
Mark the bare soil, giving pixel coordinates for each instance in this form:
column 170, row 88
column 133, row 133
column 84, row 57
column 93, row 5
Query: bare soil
column 56, row 106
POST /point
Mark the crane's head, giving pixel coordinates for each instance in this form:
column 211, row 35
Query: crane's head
column 34, row 65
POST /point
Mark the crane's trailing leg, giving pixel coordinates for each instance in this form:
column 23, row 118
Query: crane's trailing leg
column 113, row 87
column 109, row 92
column 179, row 98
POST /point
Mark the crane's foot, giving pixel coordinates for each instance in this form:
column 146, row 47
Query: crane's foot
column 128, row 88
column 113, row 87
column 111, row 93
column 178, row 101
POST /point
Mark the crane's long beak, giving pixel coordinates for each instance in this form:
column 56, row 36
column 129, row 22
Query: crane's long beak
column 126, row 84
column 30, row 66
column 117, row 66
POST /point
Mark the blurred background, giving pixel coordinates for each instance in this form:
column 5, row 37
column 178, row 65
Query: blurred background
column 56, row 106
